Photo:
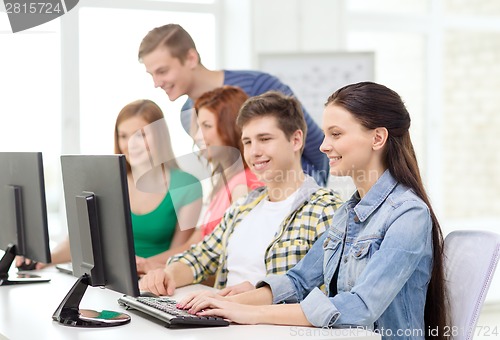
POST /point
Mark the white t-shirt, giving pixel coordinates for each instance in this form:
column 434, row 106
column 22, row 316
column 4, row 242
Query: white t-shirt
column 248, row 243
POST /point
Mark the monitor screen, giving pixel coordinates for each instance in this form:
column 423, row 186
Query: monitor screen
column 100, row 232
column 23, row 222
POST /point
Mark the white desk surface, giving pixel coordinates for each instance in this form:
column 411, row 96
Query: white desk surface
column 26, row 313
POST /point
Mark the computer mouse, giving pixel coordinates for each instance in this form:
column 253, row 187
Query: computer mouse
column 148, row 294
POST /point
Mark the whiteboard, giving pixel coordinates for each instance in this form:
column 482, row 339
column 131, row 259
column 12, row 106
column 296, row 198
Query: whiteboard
column 313, row 77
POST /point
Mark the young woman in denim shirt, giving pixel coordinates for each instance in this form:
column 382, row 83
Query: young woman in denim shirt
column 382, row 259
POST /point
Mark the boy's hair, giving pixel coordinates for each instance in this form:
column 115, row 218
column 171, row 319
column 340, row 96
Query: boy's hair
column 171, row 36
column 286, row 109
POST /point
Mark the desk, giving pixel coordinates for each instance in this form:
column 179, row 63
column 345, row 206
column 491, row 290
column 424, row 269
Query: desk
column 26, row 313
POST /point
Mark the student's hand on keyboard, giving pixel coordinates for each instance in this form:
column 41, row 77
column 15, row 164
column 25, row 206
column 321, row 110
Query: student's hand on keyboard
column 194, row 298
column 245, row 286
column 158, row 282
column 232, row 311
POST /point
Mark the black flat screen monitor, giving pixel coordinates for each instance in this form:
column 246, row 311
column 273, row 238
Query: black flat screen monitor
column 100, row 234
column 23, row 214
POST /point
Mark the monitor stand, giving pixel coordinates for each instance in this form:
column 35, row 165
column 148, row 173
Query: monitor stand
column 18, row 278
column 69, row 313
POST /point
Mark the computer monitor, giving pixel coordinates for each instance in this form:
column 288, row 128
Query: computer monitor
column 100, row 234
column 23, row 214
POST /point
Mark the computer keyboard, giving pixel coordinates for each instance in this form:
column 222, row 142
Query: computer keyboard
column 164, row 309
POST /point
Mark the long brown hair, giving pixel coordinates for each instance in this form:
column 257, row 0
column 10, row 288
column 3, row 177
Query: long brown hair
column 375, row 105
column 224, row 103
column 150, row 112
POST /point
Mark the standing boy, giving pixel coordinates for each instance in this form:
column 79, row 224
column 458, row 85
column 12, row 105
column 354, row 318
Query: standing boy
column 170, row 56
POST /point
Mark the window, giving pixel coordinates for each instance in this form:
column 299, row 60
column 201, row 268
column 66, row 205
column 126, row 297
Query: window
column 388, row 6
column 109, row 77
column 442, row 60
column 470, row 140
column 31, row 95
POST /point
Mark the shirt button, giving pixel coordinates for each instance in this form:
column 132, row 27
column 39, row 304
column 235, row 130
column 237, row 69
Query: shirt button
column 345, row 259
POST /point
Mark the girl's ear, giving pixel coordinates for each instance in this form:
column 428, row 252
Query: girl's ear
column 379, row 138
column 298, row 139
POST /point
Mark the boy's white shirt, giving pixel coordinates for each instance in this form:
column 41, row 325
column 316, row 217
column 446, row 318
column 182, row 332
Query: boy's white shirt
column 248, row 243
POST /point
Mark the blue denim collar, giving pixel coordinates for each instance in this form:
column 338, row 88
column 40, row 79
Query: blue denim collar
column 374, row 197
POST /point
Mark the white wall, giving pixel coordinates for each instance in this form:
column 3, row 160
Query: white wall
column 442, row 57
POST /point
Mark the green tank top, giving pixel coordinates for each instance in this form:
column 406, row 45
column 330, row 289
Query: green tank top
column 153, row 232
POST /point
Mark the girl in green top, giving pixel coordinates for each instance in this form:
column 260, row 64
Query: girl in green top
column 165, row 213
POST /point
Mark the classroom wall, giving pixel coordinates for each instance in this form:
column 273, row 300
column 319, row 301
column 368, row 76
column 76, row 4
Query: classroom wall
column 296, row 25
column 441, row 56
column 471, row 90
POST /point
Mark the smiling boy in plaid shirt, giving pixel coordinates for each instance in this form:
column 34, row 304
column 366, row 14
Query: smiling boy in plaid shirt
column 272, row 228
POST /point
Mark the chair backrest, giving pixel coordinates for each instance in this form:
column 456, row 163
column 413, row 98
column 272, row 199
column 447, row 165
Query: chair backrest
column 470, row 261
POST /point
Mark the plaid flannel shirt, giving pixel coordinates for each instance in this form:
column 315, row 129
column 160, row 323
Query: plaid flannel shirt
column 313, row 212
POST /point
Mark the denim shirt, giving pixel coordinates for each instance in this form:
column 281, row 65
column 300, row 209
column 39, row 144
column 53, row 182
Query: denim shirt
column 383, row 243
